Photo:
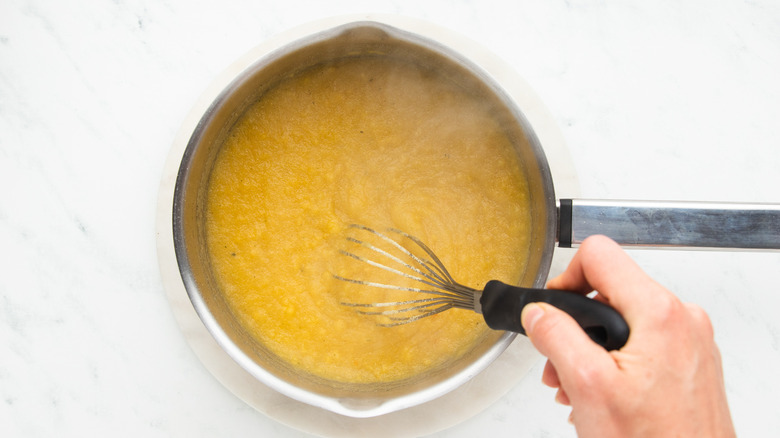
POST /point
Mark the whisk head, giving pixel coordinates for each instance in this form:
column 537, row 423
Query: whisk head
column 427, row 272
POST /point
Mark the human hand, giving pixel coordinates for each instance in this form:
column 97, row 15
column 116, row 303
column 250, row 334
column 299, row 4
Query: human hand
column 666, row 381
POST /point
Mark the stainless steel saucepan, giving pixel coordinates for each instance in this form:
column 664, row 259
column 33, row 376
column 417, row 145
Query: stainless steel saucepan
column 754, row 226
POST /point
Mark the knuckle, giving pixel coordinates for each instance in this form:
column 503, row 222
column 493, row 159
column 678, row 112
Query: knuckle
column 594, row 243
column 669, row 309
column 674, row 314
column 701, row 321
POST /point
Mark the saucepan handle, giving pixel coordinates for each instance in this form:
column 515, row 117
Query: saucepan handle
column 502, row 304
column 671, row 224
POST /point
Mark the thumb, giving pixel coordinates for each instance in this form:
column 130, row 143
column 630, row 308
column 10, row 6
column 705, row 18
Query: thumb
column 558, row 336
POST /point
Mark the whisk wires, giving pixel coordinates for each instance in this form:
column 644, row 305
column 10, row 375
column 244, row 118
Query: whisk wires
column 427, row 271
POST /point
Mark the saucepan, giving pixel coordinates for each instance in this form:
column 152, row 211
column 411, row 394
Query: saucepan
column 566, row 221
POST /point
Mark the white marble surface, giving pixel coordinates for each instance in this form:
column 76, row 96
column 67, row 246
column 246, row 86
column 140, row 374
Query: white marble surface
column 656, row 100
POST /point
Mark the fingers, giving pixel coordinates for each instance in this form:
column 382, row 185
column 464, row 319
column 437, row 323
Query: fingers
column 601, row 265
column 562, row 398
column 598, row 264
column 558, row 336
column 550, row 376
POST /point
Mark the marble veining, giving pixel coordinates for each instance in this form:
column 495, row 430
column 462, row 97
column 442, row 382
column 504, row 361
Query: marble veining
column 656, row 100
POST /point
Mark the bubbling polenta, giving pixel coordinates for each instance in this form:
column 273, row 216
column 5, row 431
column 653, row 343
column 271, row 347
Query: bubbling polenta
column 369, row 141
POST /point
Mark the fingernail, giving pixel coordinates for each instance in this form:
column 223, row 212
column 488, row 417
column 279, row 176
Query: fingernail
column 531, row 313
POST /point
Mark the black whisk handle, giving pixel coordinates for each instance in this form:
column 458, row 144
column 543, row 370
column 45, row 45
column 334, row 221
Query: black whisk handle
column 502, row 305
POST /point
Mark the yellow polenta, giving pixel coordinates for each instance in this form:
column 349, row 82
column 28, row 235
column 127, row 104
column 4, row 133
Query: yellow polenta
column 368, row 141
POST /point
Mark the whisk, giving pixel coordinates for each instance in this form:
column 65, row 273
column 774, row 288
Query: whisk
column 499, row 303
